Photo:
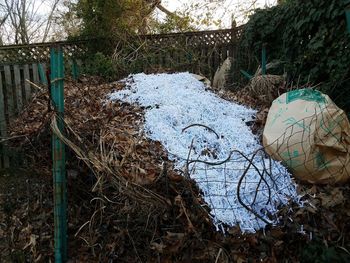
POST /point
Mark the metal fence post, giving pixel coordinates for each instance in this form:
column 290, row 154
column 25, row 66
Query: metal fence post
column 347, row 13
column 58, row 155
column 263, row 60
column 75, row 69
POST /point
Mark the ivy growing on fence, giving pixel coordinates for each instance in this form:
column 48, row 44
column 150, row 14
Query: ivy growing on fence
column 311, row 40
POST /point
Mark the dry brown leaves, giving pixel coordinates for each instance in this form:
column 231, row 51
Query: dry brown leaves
column 110, row 129
column 25, row 219
column 266, row 88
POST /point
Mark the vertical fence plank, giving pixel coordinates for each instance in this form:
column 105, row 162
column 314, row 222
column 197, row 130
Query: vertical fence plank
column 18, row 88
column 202, row 62
column 4, row 160
column 216, row 60
column 35, row 73
column 2, row 108
column 9, row 92
column 42, row 73
column 27, row 88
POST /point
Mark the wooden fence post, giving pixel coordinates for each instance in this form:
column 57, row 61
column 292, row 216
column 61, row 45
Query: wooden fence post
column 4, row 160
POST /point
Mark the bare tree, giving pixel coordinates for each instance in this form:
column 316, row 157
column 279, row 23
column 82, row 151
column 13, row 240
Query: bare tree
column 149, row 7
column 2, row 22
column 27, row 21
column 210, row 14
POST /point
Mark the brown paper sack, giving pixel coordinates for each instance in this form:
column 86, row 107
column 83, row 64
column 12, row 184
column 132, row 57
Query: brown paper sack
column 310, row 135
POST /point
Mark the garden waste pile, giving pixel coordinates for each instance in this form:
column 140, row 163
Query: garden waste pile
column 160, row 168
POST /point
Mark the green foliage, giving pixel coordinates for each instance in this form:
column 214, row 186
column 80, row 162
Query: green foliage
column 101, row 18
column 109, row 22
column 101, row 65
column 317, row 252
column 178, row 22
column 114, row 27
column 311, row 40
column 116, row 50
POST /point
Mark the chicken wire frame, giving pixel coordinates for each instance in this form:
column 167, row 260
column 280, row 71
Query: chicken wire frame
column 246, row 194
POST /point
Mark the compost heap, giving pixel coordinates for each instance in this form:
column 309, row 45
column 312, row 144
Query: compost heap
column 198, row 130
column 170, row 222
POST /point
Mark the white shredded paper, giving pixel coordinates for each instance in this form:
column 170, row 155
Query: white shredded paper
column 175, row 101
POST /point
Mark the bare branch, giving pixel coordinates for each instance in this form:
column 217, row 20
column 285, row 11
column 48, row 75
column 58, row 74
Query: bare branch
column 25, row 21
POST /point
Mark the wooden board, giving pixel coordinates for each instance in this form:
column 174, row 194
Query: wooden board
column 35, row 73
column 9, row 92
column 2, row 109
column 27, row 87
column 18, row 88
column 4, row 160
column 42, row 73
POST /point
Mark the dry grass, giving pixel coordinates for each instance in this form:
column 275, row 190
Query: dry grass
column 266, row 88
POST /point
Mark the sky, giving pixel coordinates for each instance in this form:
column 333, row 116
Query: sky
column 224, row 9
column 173, row 4
column 220, row 9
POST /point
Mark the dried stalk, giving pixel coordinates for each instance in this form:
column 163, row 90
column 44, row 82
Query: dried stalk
column 131, row 189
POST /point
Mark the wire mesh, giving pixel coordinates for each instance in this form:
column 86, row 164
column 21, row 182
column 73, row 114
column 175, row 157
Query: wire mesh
column 248, row 189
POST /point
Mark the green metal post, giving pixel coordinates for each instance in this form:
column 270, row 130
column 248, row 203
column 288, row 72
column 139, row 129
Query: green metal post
column 246, row 74
column 347, row 13
column 42, row 74
column 58, row 155
column 75, row 69
column 263, row 60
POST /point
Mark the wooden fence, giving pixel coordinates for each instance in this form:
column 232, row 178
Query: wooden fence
column 19, row 63
column 198, row 52
column 15, row 92
column 39, row 52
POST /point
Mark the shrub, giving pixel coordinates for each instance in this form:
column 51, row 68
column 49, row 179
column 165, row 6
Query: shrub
column 310, row 38
column 101, row 65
